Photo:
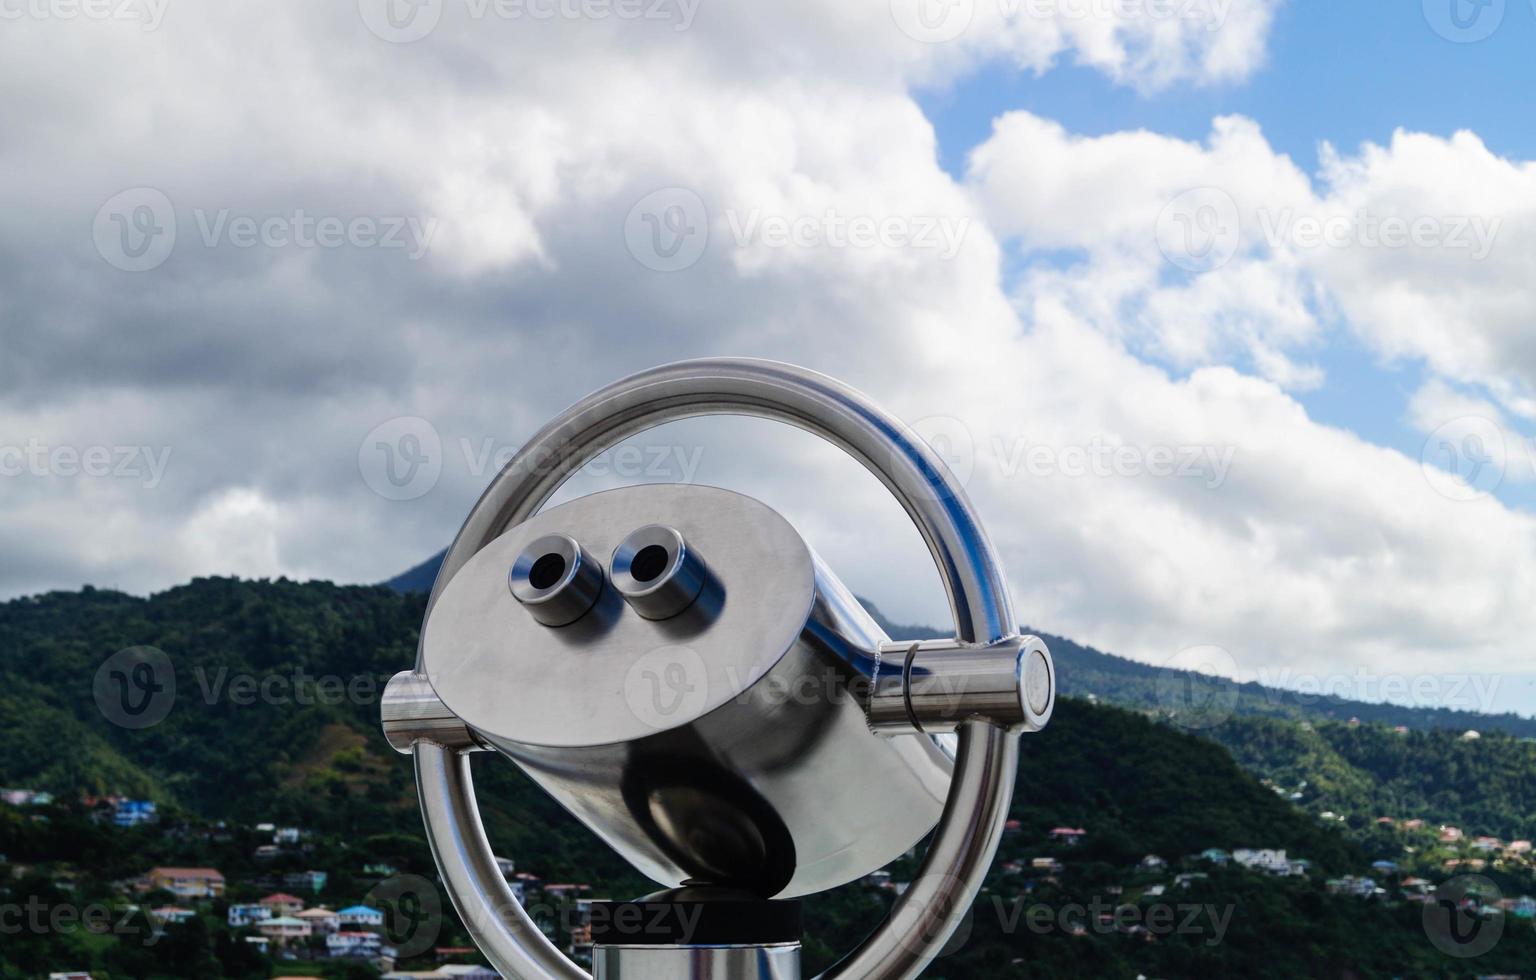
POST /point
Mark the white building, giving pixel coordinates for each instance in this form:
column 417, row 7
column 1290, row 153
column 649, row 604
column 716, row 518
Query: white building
column 321, row 920
column 362, row 915
column 362, row 944
column 248, row 915
column 286, row 929
column 1267, row 859
column 170, row 913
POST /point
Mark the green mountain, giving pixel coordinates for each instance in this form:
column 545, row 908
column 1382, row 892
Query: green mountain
column 273, row 717
column 1485, row 785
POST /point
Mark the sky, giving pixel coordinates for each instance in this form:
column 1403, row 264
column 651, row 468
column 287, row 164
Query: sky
column 1221, row 308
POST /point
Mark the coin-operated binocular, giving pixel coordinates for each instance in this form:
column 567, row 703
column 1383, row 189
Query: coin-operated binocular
column 678, row 668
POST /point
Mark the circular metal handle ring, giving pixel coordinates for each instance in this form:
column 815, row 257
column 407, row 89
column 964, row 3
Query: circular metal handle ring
column 926, row 915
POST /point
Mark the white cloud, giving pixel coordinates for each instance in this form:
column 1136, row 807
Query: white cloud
column 1423, row 247
column 530, row 143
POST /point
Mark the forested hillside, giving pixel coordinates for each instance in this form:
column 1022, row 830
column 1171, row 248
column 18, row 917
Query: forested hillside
column 304, row 750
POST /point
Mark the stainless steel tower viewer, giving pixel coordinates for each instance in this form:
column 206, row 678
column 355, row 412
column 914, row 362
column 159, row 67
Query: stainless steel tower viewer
column 679, row 669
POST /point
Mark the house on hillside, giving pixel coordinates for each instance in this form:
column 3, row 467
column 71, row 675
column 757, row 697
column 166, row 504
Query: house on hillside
column 285, row 929
column 449, row 971
column 1358, row 887
column 1267, row 859
column 283, row 904
column 240, row 916
column 306, row 880
column 134, row 813
column 1449, row 834
column 363, row 945
column 186, row 882
column 1068, row 835
column 171, row 914
column 1215, row 855
column 322, row 921
column 361, row 915
column 1152, row 863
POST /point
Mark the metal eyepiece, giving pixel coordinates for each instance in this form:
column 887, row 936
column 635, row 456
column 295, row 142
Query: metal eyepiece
column 556, row 580
column 656, row 572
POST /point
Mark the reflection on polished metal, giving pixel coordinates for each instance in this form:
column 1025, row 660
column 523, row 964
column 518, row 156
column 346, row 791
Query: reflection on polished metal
column 556, row 579
column 725, row 744
column 412, row 711
column 826, row 632
column 657, row 573
column 934, row 685
column 696, row 962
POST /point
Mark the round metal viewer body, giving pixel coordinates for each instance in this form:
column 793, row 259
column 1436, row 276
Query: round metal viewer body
column 982, row 783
